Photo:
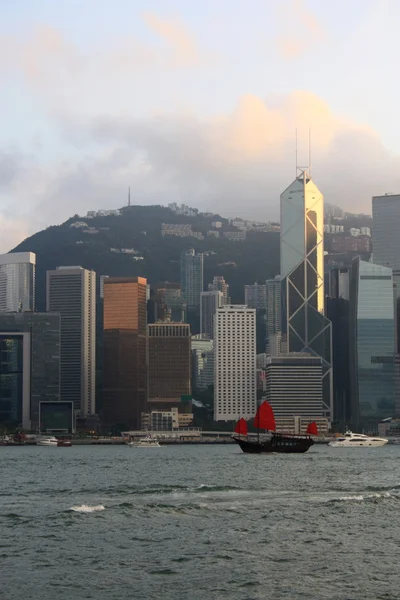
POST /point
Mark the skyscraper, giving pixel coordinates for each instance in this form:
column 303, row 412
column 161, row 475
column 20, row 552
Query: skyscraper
column 385, row 233
column 17, row 282
column 169, row 366
column 169, row 299
column 192, row 278
column 71, row 291
column 219, row 284
column 302, row 271
column 29, row 366
column 255, row 296
column 202, row 362
column 209, row 303
column 125, row 375
column 273, row 304
column 235, row 393
column 372, row 342
column 294, row 388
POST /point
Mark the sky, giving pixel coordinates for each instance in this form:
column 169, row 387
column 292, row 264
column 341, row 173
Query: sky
column 195, row 103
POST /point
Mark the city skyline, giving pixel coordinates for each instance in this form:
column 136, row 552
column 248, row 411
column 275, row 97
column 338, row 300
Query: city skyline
column 75, row 143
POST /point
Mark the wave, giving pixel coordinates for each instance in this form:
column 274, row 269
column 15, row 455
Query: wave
column 364, row 497
column 85, row 508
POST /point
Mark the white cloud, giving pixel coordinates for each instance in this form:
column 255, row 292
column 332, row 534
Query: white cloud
column 237, row 164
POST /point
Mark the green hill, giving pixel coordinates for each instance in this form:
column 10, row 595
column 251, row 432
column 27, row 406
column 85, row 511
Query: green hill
column 98, row 247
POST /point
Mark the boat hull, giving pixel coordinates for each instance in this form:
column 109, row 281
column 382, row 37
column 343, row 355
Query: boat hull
column 282, row 444
column 361, row 444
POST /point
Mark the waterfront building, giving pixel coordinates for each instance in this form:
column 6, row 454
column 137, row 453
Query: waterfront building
column 303, row 321
column 235, row 393
column 273, row 305
column 372, row 342
column 29, row 366
column 169, row 366
column 219, row 284
column 166, row 420
column 71, row 292
column 202, row 362
column 255, row 296
column 17, row 282
column 192, row 278
column 209, row 303
column 124, row 353
column 294, row 386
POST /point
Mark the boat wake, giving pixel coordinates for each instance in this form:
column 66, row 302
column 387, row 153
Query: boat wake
column 85, row 508
column 365, row 497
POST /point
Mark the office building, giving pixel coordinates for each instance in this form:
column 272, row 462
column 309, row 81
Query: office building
column 303, row 321
column 337, row 282
column 255, row 296
column 170, row 301
column 273, row 304
column 219, row 284
column 124, row 353
column 169, row 366
column 166, row 420
column 102, row 279
column 202, row 362
column 17, row 282
column 71, row 291
column 209, row 303
column 192, row 278
column 385, row 233
column 294, row 385
column 29, row 366
column 372, row 343
column 235, row 393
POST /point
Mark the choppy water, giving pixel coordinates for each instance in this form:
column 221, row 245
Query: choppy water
column 199, row 523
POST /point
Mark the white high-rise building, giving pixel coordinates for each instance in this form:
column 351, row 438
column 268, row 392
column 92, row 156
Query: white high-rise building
column 71, row 291
column 235, row 394
column 209, row 303
column 17, row 282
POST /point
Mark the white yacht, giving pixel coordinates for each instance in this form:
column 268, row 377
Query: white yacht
column 357, row 439
column 47, row 441
column 146, row 442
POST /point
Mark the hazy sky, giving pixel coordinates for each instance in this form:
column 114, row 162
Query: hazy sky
column 194, row 102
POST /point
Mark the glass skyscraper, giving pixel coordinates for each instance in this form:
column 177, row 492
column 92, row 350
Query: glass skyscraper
column 29, row 366
column 302, row 270
column 372, row 342
column 17, row 282
column 192, row 278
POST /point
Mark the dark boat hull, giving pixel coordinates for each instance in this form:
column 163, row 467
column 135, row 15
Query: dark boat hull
column 285, row 444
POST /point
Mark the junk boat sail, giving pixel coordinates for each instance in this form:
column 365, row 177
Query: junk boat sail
column 271, row 441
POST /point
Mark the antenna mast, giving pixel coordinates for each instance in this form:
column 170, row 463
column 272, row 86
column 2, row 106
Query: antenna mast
column 129, row 196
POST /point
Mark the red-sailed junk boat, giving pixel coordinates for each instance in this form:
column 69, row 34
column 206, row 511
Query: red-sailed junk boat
column 271, row 441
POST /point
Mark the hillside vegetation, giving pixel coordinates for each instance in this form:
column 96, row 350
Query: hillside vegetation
column 139, row 228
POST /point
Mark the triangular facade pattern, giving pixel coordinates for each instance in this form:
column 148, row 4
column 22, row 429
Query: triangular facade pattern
column 302, row 269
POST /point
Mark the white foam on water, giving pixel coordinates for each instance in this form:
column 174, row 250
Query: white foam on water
column 85, row 508
column 361, row 498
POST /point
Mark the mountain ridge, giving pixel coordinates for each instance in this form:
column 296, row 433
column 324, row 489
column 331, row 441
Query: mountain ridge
column 131, row 244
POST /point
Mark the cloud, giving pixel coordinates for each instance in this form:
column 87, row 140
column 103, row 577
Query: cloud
column 236, row 163
column 44, row 56
column 302, row 30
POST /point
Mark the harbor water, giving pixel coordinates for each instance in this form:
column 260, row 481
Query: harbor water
column 199, row 522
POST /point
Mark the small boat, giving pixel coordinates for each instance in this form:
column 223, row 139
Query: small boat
column 146, row 442
column 350, row 439
column 47, row 441
column 64, row 443
column 270, row 441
